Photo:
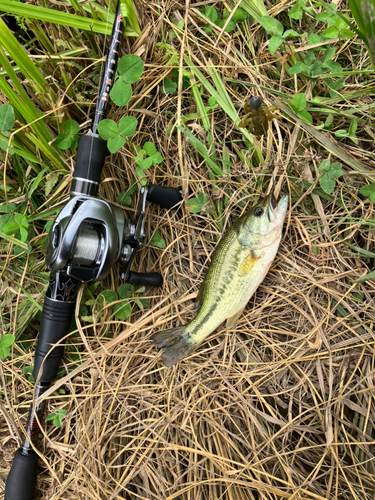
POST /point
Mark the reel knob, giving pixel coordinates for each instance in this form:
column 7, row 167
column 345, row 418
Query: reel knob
column 166, row 197
column 153, row 279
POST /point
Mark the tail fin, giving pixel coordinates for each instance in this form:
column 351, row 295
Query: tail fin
column 176, row 344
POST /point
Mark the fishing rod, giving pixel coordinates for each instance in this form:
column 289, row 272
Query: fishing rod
column 87, row 239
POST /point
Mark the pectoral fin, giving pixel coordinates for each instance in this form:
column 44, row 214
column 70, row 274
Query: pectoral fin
column 248, row 264
column 232, row 320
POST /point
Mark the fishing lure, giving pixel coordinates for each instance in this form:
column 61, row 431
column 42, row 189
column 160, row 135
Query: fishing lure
column 256, row 118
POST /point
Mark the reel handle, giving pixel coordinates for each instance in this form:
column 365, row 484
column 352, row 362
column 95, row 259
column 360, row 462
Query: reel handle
column 153, row 279
column 166, row 197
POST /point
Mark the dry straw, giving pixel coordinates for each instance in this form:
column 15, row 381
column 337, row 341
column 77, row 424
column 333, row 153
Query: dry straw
column 281, row 407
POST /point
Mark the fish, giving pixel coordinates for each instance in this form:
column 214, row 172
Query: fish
column 239, row 264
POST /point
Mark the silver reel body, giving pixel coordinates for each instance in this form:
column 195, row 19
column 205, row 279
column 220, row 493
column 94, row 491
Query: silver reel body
column 90, row 236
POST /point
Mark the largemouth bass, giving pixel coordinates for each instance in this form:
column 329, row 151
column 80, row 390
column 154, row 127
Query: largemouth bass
column 239, row 264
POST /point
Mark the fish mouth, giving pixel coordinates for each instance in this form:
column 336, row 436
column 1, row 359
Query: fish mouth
column 276, row 208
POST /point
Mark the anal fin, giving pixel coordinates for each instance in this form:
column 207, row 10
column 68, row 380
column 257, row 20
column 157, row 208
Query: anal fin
column 199, row 298
column 232, row 320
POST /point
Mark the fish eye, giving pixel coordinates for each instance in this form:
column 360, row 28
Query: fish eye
column 259, row 212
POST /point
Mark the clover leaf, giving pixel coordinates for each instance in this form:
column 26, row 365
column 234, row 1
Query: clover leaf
column 298, row 105
column 315, row 67
column 195, row 205
column 272, row 25
column 6, row 342
column 122, row 310
column 107, row 129
column 296, row 12
column 130, row 69
column 368, row 192
column 7, row 118
column 330, row 172
column 121, row 93
column 350, row 134
column 276, row 29
column 57, row 417
column 146, row 158
column 18, row 224
column 124, row 198
column 214, row 16
column 168, row 86
column 115, row 134
column 69, row 137
column 157, row 240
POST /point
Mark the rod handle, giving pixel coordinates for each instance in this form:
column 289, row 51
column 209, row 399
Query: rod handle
column 54, row 325
column 91, row 155
column 21, row 481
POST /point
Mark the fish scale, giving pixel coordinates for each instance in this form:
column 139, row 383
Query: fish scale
column 239, row 264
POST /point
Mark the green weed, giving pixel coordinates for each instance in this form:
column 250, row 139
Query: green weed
column 69, row 138
column 146, row 158
column 6, row 342
column 298, row 105
column 196, row 205
column 57, row 417
column 330, row 172
column 130, row 69
column 214, row 16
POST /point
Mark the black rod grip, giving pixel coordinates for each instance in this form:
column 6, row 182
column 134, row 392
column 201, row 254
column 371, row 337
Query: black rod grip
column 54, row 325
column 166, row 197
column 21, row 480
column 90, row 160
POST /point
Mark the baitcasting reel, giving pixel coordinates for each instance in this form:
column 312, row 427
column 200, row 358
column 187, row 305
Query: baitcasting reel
column 90, row 236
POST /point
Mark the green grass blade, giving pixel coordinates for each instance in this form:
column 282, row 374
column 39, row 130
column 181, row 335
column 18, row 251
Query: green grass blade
column 255, row 8
column 13, row 240
column 222, row 98
column 50, row 153
column 28, row 113
column 202, row 150
column 75, row 5
column 21, row 58
column 366, row 254
column 56, row 17
column 31, row 299
column 355, row 8
column 21, row 102
column 67, row 54
column 324, row 140
column 366, row 277
column 200, row 105
column 131, row 24
column 364, row 13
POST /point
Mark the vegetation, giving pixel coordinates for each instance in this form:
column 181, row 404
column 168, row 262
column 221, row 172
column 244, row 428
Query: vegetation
column 280, row 407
